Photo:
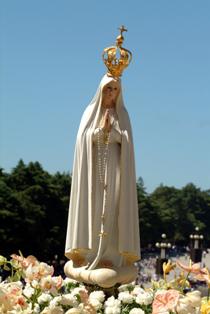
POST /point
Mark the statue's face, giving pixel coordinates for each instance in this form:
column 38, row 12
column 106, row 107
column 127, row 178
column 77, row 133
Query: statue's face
column 111, row 92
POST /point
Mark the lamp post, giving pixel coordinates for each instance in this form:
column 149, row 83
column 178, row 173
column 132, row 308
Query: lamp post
column 196, row 246
column 163, row 246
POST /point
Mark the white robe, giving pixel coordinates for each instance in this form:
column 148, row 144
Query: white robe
column 121, row 223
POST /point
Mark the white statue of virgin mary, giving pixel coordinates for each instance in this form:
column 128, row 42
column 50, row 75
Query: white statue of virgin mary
column 103, row 224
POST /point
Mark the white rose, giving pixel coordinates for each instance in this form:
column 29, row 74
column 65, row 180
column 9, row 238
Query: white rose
column 116, row 310
column 31, row 272
column 44, row 298
column 77, row 290
column 19, row 284
column 53, row 310
column 194, row 298
column 45, row 269
column 35, row 284
column 57, row 281
column 36, row 309
column 111, row 301
column 69, row 280
column 189, row 303
column 96, row 304
column 98, row 295
column 144, row 298
column 112, row 310
column 73, row 311
column 112, row 306
column 126, row 297
column 55, row 301
column 56, row 310
column 137, row 290
column 184, row 306
column 28, row 290
column 136, row 310
column 68, row 299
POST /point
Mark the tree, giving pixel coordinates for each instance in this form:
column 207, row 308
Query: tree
column 166, row 202
column 148, row 218
column 196, row 205
column 33, row 209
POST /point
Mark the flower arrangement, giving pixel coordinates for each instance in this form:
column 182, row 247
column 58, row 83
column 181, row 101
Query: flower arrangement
column 31, row 288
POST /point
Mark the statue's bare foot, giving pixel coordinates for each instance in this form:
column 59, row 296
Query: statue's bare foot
column 78, row 260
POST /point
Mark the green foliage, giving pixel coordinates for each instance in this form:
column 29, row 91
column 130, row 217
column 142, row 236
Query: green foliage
column 148, row 216
column 34, row 209
column 173, row 211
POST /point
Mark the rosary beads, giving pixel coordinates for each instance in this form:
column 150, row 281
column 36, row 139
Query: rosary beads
column 103, row 148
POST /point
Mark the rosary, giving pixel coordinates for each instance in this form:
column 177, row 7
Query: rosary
column 103, row 147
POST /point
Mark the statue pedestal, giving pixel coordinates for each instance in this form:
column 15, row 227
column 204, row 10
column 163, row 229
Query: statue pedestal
column 103, row 277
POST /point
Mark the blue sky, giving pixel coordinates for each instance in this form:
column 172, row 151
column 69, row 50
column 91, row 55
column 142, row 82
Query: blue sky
column 50, row 60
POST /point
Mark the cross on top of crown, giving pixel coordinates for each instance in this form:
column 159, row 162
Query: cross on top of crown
column 122, row 29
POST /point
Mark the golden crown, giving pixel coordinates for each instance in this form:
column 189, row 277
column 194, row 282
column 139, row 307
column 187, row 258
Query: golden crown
column 114, row 64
